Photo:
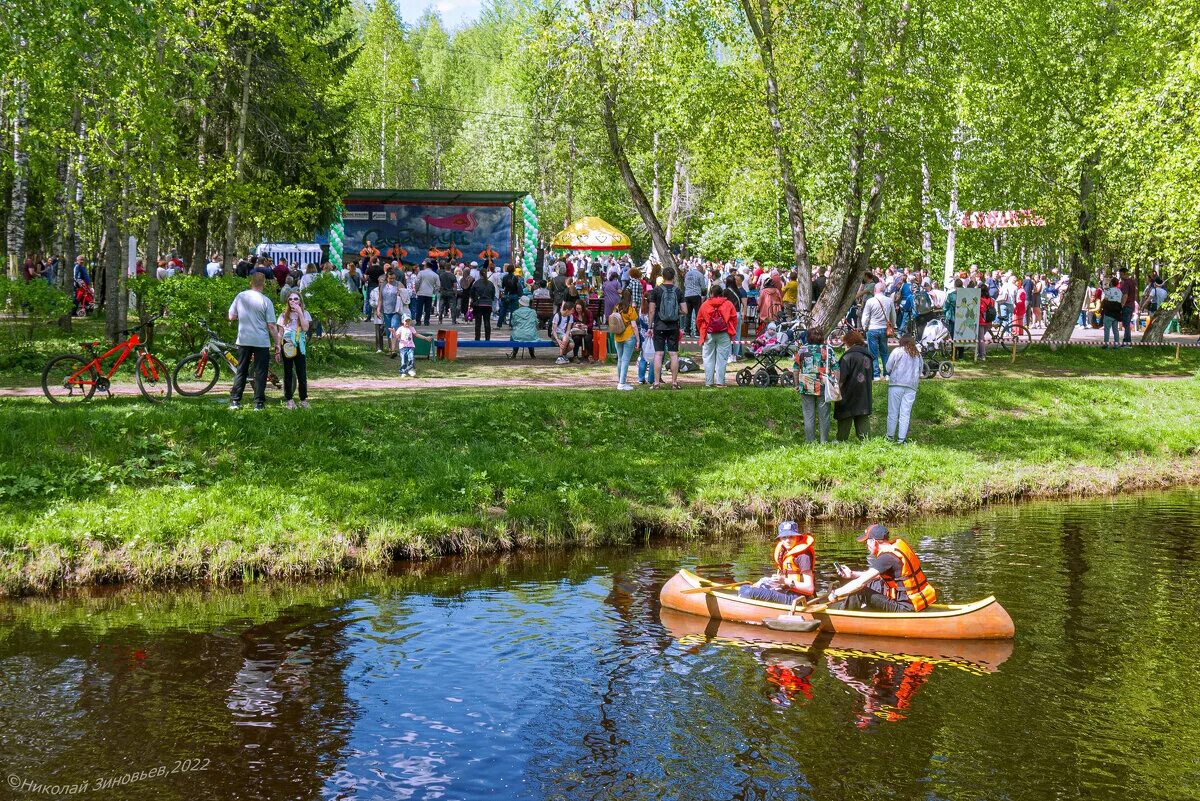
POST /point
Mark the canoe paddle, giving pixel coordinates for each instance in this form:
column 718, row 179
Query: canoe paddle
column 713, row 588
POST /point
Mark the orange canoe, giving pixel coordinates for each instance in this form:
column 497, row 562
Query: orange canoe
column 982, row 620
column 975, row 656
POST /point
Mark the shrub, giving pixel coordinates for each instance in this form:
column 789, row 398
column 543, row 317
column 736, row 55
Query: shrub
column 188, row 300
column 330, row 304
column 37, row 300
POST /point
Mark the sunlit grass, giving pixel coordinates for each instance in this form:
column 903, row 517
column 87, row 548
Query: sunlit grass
column 121, row 491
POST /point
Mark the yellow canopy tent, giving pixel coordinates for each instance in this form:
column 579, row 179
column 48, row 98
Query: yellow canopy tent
column 590, row 233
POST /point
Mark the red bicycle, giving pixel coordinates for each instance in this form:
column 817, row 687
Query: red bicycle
column 69, row 378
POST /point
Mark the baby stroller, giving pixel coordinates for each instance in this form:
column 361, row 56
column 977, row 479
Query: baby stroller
column 936, row 347
column 768, row 348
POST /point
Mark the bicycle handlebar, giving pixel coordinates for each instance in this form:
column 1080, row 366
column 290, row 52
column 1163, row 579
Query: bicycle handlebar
column 142, row 326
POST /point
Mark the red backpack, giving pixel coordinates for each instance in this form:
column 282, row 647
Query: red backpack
column 716, row 323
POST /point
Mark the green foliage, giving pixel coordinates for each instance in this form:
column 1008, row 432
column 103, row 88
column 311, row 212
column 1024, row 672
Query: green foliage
column 329, row 303
column 188, row 301
column 37, row 301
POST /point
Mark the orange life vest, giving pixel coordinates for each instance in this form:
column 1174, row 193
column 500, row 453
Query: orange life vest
column 786, row 558
column 912, row 581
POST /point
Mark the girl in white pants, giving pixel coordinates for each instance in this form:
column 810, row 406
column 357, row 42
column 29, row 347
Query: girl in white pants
column 904, row 373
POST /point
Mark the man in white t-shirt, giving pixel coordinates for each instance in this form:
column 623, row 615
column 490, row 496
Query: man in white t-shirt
column 255, row 315
column 213, row 268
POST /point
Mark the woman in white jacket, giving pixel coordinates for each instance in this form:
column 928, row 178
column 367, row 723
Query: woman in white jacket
column 904, row 373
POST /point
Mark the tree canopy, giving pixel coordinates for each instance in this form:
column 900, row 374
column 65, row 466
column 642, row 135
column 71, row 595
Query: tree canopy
column 811, row 133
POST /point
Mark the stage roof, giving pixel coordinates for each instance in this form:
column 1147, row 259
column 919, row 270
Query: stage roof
column 449, row 197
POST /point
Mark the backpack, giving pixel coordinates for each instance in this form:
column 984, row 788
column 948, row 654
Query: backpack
column 989, row 312
column 717, row 324
column 668, row 310
column 616, row 324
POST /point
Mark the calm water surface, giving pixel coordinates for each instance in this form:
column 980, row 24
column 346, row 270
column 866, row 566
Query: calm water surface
column 557, row 676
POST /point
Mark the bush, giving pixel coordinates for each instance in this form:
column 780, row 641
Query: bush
column 37, row 300
column 188, row 300
column 330, row 304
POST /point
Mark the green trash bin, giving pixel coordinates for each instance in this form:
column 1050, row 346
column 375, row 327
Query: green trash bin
column 423, row 347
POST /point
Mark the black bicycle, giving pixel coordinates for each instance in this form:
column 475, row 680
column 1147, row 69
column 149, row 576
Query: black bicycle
column 198, row 373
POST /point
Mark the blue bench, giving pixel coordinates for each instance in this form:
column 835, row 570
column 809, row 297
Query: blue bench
column 503, row 343
column 498, row 344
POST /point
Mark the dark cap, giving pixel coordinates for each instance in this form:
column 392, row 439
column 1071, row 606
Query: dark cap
column 876, row 532
column 788, row 528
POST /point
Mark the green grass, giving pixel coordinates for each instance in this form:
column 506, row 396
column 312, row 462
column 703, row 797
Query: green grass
column 1086, row 360
column 123, row 492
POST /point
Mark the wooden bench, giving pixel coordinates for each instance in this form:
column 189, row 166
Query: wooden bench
column 543, row 308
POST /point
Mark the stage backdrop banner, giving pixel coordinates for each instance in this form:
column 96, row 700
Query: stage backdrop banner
column 966, row 314
column 409, row 231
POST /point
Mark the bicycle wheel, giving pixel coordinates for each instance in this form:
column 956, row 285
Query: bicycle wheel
column 153, row 378
column 69, row 379
column 836, row 337
column 1023, row 336
column 196, row 374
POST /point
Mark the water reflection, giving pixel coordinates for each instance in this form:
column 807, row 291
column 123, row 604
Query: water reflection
column 557, row 676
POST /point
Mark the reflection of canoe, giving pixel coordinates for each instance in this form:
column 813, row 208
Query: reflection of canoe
column 982, row 620
column 972, row 655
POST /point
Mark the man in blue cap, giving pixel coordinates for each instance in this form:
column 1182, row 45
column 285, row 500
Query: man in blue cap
column 794, row 562
column 894, row 580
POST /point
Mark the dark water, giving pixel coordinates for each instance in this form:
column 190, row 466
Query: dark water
column 556, row 677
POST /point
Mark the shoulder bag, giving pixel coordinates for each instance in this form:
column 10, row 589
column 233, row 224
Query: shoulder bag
column 833, row 390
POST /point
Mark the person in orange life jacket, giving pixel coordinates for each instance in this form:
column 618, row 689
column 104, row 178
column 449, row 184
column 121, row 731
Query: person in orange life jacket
column 791, row 673
column 893, row 582
column 794, row 561
column 886, row 689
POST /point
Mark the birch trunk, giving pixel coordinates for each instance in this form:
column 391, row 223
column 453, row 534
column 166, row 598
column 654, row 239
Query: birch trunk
column 673, row 212
column 655, row 191
column 20, row 187
column 570, row 187
column 926, row 216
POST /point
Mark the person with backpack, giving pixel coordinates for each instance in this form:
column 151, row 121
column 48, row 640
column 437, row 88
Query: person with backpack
column 816, row 380
column 561, row 326
column 1111, row 307
column 622, row 324
column 666, row 311
column 716, row 321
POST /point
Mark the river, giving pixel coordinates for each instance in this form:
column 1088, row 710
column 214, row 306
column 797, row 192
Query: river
column 557, row 676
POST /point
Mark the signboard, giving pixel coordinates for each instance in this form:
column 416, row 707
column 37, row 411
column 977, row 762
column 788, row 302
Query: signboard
column 966, row 314
column 410, row 231
column 1016, row 218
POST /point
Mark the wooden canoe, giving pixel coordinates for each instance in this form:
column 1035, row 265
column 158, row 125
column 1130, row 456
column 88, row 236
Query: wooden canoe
column 976, row 656
column 981, row 620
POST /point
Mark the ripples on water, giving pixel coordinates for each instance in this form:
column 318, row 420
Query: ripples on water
column 556, row 676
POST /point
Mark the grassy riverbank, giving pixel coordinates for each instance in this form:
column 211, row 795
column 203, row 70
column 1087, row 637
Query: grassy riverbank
column 122, row 492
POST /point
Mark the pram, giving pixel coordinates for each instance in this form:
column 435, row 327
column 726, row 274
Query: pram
column 936, row 346
column 775, row 343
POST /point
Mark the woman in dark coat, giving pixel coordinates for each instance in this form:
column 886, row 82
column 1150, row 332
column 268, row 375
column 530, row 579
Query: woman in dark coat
column 855, row 377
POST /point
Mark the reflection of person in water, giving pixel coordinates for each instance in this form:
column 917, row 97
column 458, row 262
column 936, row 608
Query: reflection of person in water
column 791, row 672
column 886, row 687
